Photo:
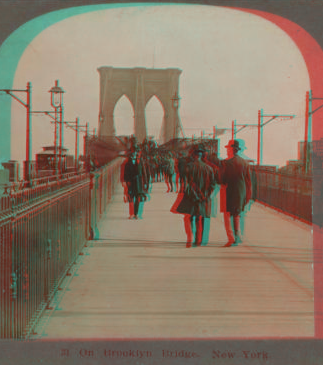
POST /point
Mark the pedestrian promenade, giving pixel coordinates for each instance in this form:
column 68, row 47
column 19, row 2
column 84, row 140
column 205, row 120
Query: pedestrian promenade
column 140, row 281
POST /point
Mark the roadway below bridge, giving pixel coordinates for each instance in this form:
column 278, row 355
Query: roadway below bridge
column 138, row 280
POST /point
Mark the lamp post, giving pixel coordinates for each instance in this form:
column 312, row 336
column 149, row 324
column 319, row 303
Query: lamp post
column 308, row 115
column 308, row 126
column 261, row 124
column 234, row 122
column 75, row 125
column 175, row 102
column 260, row 136
column 57, row 103
column 27, row 105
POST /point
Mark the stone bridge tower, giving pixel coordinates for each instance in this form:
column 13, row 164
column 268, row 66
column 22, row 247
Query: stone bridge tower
column 139, row 85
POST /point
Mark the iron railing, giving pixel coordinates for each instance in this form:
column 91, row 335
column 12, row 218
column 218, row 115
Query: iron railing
column 43, row 229
column 290, row 194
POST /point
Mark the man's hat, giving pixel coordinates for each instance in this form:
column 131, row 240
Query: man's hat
column 199, row 148
column 233, row 144
column 135, row 148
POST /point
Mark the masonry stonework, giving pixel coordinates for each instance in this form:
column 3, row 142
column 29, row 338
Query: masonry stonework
column 139, row 85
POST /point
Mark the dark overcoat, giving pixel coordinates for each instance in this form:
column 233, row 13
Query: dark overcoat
column 147, row 167
column 136, row 178
column 235, row 175
column 169, row 166
column 181, row 165
column 200, row 184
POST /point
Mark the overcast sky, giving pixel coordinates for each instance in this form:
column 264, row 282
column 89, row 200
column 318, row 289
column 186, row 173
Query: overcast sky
column 233, row 64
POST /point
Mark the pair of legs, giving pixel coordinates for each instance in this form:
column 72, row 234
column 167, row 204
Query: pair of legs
column 181, row 184
column 134, row 207
column 169, row 182
column 197, row 225
column 177, row 182
column 234, row 235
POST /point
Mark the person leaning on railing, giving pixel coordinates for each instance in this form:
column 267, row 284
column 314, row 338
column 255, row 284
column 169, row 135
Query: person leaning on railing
column 91, row 163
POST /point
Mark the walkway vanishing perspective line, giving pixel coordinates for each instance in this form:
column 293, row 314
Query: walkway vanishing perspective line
column 140, row 281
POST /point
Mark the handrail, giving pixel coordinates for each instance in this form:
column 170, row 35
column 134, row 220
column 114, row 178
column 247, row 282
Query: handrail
column 287, row 193
column 43, row 228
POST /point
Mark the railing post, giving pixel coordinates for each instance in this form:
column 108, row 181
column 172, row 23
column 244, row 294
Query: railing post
column 94, row 232
column 13, row 275
column 28, row 248
column 28, row 133
column 100, row 191
column 259, row 149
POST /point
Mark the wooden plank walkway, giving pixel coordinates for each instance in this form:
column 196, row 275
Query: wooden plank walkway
column 140, row 281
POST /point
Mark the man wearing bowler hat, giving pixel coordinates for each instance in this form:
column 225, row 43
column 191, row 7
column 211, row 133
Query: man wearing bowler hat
column 236, row 178
column 195, row 202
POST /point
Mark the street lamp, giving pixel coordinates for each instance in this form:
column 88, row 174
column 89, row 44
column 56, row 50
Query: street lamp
column 27, row 105
column 175, row 99
column 77, row 128
column 57, row 103
column 56, row 95
column 308, row 126
column 261, row 124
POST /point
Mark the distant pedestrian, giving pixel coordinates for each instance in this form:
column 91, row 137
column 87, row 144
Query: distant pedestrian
column 235, row 175
column 169, row 172
column 90, row 162
column 182, row 161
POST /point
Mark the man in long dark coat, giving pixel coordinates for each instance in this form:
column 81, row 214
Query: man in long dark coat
column 235, row 175
column 135, row 181
column 195, row 202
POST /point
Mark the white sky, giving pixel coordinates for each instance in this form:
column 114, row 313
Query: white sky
column 233, row 64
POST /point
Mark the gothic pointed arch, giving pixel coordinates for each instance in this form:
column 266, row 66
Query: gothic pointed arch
column 123, row 115
column 139, row 84
column 155, row 117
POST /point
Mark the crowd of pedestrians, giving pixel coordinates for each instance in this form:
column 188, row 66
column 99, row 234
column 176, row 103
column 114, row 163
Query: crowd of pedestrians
column 196, row 175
